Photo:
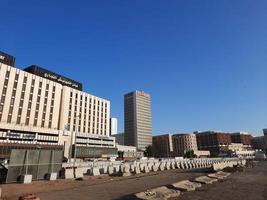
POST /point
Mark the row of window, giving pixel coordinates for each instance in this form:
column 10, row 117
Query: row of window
column 97, row 117
column 22, row 99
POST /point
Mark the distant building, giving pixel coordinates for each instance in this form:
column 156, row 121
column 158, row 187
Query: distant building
column 202, row 154
column 137, row 120
column 113, row 126
column 127, row 151
column 214, row 141
column 265, row 139
column 258, row 143
column 183, row 143
column 163, row 144
column 119, row 138
column 243, row 138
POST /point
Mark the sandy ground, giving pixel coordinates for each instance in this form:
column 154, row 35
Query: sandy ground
column 249, row 185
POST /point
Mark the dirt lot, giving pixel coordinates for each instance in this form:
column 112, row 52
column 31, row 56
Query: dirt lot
column 249, row 185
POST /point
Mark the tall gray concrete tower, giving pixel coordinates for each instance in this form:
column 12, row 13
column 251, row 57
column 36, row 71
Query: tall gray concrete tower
column 137, row 120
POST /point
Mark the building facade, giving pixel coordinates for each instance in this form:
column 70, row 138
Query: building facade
column 119, row 138
column 258, row 143
column 39, row 107
column 163, row 144
column 137, row 120
column 113, row 126
column 127, row 152
column 243, row 138
column 183, row 143
column 265, row 139
column 214, row 141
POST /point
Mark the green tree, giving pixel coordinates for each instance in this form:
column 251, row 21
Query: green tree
column 190, row 154
column 151, row 151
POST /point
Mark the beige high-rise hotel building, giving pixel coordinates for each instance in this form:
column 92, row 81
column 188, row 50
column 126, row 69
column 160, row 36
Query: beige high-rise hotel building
column 39, row 107
column 137, row 120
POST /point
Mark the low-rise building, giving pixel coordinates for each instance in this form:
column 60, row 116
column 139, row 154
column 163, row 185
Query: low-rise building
column 202, row 154
column 183, row 143
column 127, row 151
column 258, row 143
column 216, row 142
column 163, row 144
column 243, row 138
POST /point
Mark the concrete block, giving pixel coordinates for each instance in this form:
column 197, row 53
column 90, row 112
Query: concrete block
column 187, row 165
column 137, row 170
column 79, row 172
column 205, row 180
column 132, row 168
column 186, row 185
column 125, row 174
column 110, row 170
column 125, row 170
column 26, row 179
column 168, row 166
column 145, row 169
column 155, row 168
column 69, row 173
column 149, row 166
column 51, row 176
column 116, row 168
column 182, row 166
column 95, row 171
column 219, row 176
column 142, row 166
column 217, row 167
column 159, row 193
column 162, row 166
column 172, row 165
column 221, row 173
column 103, row 170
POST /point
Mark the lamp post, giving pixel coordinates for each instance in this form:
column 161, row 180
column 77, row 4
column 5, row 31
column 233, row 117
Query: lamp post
column 74, row 152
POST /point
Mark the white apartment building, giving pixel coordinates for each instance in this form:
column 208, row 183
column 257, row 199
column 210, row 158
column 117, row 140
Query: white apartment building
column 39, row 107
column 113, row 126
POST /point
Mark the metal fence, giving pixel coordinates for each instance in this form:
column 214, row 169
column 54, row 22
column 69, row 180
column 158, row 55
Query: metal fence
column 37, row 162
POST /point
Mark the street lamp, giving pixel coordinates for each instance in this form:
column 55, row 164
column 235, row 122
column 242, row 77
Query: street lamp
column 74, row 153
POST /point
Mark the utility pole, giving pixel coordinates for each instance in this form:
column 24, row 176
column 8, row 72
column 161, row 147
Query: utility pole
column 74, row 152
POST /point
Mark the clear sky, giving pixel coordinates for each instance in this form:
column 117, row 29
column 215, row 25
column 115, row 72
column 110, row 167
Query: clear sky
column 204, row 62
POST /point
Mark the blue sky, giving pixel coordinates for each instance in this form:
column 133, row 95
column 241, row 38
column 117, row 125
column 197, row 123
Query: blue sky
column 204, row 62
